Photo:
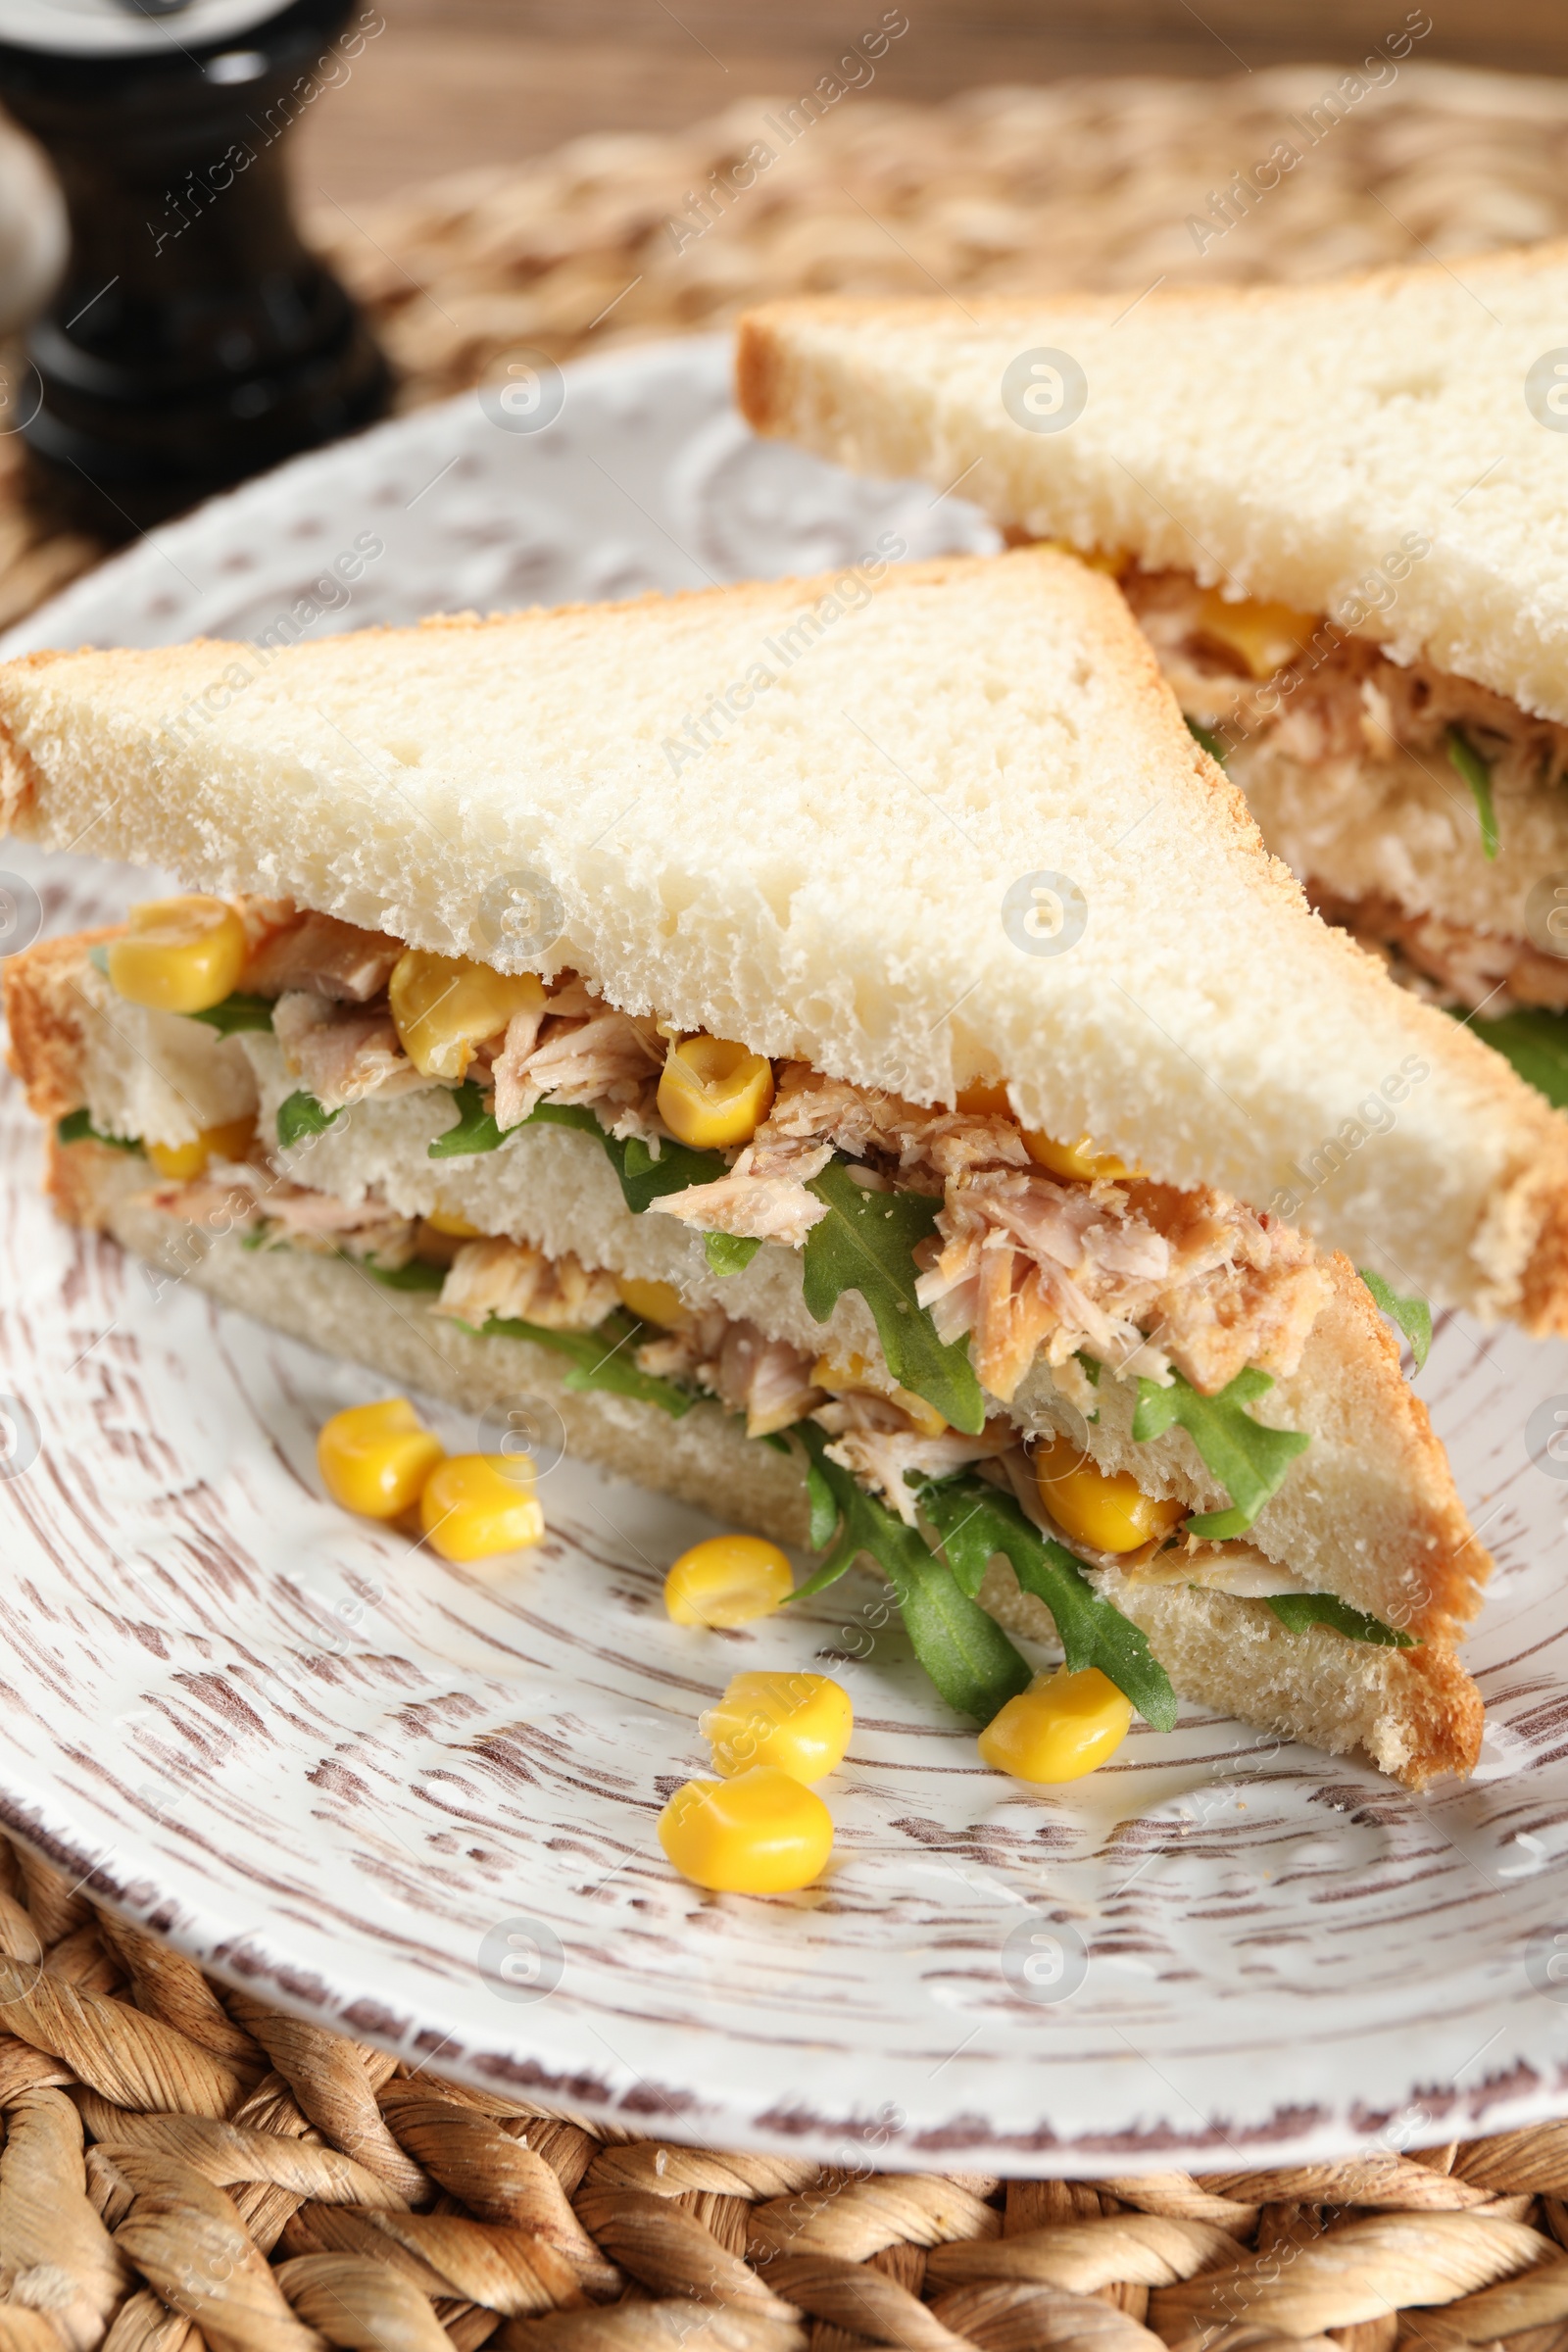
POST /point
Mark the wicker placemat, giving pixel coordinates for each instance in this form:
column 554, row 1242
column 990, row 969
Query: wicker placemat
column 183, row 2163
column 1085, row 183
column 1089, row 182
column 258, row 2181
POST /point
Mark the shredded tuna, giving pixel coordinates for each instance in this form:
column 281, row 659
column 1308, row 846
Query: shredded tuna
column 516, row 1282
column 1030, row 1263
column 759, row 1203
column 880, row 1457
column 1342, row 704
column 240, row 1196
column 607, row 1059
column 366, row 1229
column 814, row 1112
column 768, row 1379
column 218, row 1205
column 342, row 1055
column 326, row 956
column 1343, row 698
column 262, row 917
column 1451, row 962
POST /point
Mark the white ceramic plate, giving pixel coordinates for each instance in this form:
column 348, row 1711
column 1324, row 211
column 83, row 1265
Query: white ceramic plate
column 420, row 1801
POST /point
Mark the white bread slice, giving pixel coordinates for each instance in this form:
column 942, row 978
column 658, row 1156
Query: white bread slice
column 1278, row 440
column 1369, row 1512
column 1415, row 1713
column 826, row 878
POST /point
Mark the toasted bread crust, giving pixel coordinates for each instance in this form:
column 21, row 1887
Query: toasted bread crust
column 43, row 1019
column 1514, row 262
column 1442, row 1557
column 1445, row 1713
column 83, row 1183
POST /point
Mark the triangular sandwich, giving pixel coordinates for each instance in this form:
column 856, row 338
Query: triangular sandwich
column 1337, row 512
column 842, row 1045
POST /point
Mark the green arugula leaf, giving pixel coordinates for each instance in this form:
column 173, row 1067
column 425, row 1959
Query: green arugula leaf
column 236, row 1012
column 1412, row 1315
column 1477, row 773
column 98, row 957
column 975, row 1521
column 300, row 1114
column 866, row 1243
column 418, row 1275
column 77, row 1127
column 564, row 1115
column 601, row 1359
column 1535, row 1042
column 824, row 1507
column 729, row 1252
column 473, row 1130
column 966, row 1655
column 841, row 1508
column 1298, row 1610
column 643, row 1178
column 1248, row 1459
column 1208, row 738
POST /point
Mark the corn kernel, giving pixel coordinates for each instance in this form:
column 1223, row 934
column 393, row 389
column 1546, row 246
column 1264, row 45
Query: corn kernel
column 179, row 954
column 1103, row 1508
column 799, row 1723
column 376, row 1458
column 1080, row 1160
column 478, row 1504
column 457, row 1228
column 1059, row 1729
column 657, row 1303
column 1267, row 636
column 727, row 1580
column 760, row 1833
column 853, row 1374
column 987, row 1099
column 713, row 1093
column 230, row 1141
column 445, row 1005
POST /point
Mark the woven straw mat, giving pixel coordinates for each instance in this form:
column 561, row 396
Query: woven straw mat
column 260, row 2185
column 184, row 2166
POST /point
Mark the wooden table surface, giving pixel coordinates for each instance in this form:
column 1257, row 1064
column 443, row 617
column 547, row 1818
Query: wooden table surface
column 453, row 83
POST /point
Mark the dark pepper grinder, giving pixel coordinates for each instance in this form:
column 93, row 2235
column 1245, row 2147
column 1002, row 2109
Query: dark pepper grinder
column 194, row 340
